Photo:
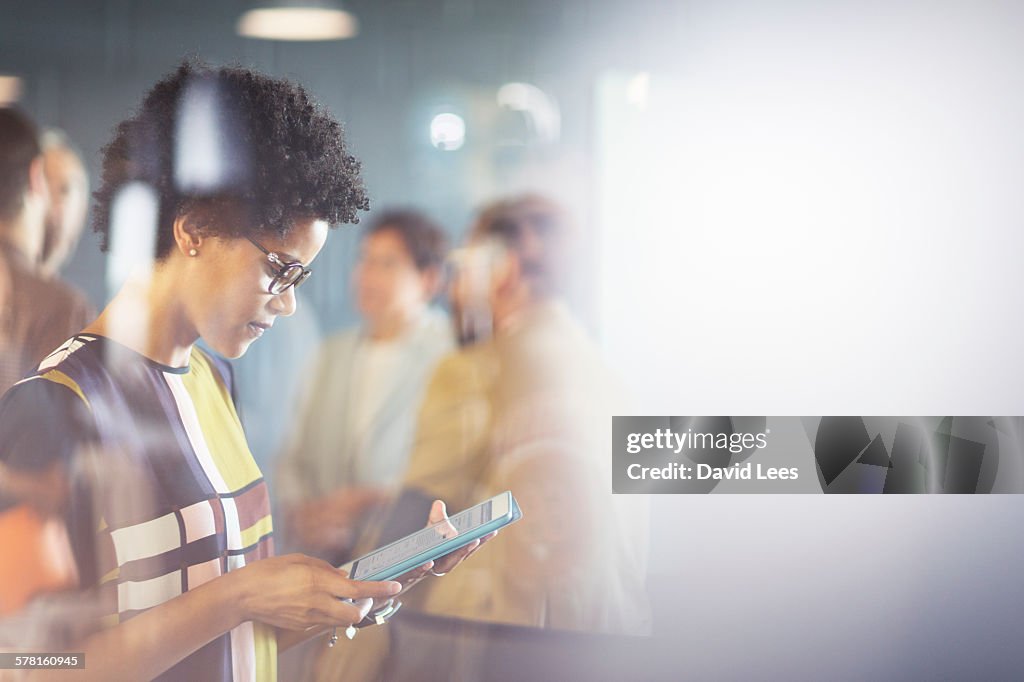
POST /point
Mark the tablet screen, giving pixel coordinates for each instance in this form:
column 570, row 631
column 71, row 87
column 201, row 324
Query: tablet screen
column 421, row 541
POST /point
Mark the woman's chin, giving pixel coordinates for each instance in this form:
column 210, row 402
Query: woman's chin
column 231, row 349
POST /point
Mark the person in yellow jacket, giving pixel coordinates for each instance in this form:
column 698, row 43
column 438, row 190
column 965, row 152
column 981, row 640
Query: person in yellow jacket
column 527, row 409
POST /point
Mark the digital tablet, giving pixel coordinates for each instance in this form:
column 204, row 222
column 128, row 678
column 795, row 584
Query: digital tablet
column 437, row 540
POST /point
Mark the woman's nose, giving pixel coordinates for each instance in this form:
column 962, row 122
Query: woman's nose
column 284, row 304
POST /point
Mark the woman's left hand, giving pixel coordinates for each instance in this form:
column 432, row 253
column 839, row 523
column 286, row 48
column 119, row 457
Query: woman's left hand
column 439, row 515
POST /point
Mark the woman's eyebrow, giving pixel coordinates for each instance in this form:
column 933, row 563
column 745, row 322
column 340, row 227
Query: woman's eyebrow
column 287, row 257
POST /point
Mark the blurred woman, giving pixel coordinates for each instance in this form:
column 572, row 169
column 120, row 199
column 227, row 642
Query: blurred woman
column 352, row 440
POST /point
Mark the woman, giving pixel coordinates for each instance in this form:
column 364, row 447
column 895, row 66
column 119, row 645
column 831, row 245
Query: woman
column 353, row 434
column 167, row 514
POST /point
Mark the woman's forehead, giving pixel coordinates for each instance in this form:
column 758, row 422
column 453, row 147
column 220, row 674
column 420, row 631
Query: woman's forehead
column 302, row 241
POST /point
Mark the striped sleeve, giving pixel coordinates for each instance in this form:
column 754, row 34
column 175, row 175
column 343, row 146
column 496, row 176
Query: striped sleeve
column 44, row 420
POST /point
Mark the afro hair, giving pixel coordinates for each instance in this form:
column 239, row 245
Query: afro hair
column 286, row 157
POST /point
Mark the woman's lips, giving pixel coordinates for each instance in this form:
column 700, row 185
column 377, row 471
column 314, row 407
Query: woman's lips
column 257, row 328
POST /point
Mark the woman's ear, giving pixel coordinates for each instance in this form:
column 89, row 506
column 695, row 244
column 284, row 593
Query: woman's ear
column 188, row 236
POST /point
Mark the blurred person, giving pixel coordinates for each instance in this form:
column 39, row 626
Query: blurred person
column 351, row 441
column 546, row 435
column 36, row 313
column 37, row 557
column 68, row 185
column 35, row 316
column 166, row 513
column 527, row 409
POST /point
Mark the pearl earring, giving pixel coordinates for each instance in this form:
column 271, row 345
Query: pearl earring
column 193, row 252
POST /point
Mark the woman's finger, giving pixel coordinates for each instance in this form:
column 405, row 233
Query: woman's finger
column 438, row 512
column 419, row 571
column 438, row 518
column 364, row 606
column 338, row 612
column 336, row 584
column 484, row 539
column 412, row 577
column 450, row 561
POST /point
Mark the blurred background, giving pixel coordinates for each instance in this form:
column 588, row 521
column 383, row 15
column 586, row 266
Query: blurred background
column 792, row 208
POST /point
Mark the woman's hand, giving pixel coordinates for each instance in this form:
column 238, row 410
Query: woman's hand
column 297, row 592
column 439, row 515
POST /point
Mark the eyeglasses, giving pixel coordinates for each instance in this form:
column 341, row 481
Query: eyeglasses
column 286, row 273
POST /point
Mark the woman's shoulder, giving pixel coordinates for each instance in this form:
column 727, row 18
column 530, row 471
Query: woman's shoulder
column 68, row 371
column 81, row 350
column 44, row 418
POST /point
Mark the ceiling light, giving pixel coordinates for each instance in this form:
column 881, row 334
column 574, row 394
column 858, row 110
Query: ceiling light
column 447, row 131
column 298, row 20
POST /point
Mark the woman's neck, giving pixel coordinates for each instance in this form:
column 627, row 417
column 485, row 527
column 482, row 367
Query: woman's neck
column 147, row 316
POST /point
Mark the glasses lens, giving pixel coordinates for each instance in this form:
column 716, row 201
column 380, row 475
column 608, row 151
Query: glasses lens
column 292, row 276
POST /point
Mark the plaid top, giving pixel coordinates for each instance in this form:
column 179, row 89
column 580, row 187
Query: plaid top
column 165, row 494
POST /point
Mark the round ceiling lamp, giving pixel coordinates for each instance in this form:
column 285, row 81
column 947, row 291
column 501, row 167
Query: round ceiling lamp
column 304, row 20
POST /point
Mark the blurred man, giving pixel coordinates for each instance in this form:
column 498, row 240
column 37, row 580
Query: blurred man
column 352, row 439
column 527, row 410
column 577, row 561
column 36, row 314
column 68, row 184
